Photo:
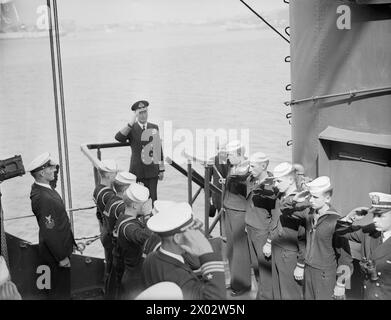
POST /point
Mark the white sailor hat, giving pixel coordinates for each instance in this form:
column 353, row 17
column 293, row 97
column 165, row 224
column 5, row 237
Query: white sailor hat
column 282, row 169
column 160, row 204
column 319, row 185
column 137, row 193
column 380, row 200
column 233, row 146
column 43, row 161
column 125, row 177
column 4, row 273
column 171, row 219
column 109, row 165
column 165, row 290
column 258, row 157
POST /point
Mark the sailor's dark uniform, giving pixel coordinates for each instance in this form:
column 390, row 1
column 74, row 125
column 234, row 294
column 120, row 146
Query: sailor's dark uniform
column 326, row 252
column 114, row 208
column 238, row 252
column 159, row 267
column 131, row 238
column 377, row 284
column 287, row 237
column 261, row 201
column 55, row 237
column 143, row 163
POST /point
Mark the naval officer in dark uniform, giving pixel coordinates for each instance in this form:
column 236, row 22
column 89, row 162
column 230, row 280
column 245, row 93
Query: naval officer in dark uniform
column 55, row 236
column 375, row 240
column 175, row 227
column 147, row 155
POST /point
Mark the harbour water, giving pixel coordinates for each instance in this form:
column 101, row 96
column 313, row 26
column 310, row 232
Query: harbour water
column 194, row 76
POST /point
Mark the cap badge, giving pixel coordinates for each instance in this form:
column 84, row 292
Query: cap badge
column 375, row 199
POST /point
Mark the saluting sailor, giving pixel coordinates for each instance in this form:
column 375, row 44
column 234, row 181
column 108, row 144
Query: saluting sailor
column 103, row 192
column 286, row 244
column 131, row 234
column 238, row 252
column 174, row 226
column 261, row 201
column 328, row 263
column 147, row 154
column 55, row 236
column 375, row 240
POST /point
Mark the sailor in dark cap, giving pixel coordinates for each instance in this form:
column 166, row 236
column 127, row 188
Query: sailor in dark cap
column 375, row 240
column 147, row 155
column 175, row 227
column 55, row 236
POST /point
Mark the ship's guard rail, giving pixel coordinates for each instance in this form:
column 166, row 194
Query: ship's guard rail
column 194, row 176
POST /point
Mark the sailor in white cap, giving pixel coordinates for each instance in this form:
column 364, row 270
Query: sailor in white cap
column 131, row 234
column 286, row 244
column 234, row 203
column 375, row 240
column 162, row 291
column 8, row 290
column 175, row 227
column 114, row 208
column 327, row 254
column 55, row 236
column 261, row 200
column 103, row 192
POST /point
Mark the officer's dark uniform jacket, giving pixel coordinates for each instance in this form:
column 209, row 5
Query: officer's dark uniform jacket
column 102, row 194
column 372, row 248
column 55, row 234
column 286, row 231
column 324, row 248
column 261, row 201
column 137, row 165
column 160, row 267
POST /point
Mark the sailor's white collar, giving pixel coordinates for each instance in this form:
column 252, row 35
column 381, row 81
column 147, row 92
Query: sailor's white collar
column 44, row 185
column 172, row 255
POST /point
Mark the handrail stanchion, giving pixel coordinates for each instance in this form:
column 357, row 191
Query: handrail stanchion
column 207, row 196
column 196, row 195
column 189, row 183
column 222, row 217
